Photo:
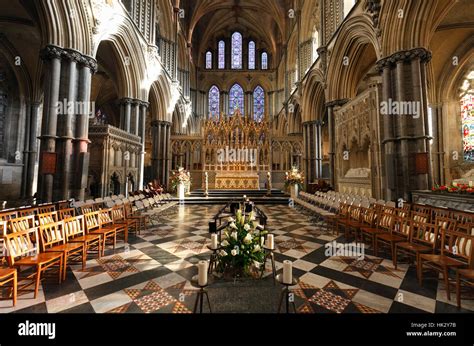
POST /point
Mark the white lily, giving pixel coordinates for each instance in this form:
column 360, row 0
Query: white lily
column 223, row 253
column 234, row 235
column 234, row 252
column 232, row 225
column 225, row 243
column 248, row 238
column 247, row 227
column 257, row 248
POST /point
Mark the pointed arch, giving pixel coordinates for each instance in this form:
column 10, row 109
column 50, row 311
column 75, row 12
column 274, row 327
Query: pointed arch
column 236, row 99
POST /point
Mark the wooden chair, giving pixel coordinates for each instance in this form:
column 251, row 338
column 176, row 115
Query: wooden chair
column 23, row 251
column 48, row 217
column 27, row 211
column 66, row 213
column 399, row 231
column 456, row 252
column 142, row 220
column 75, row 232
column 353, row 221
column 106, row 230
column 422, row 209
column 418, row 216
column 21, row 223
column 8, row 215
column 9, row 275
column 53, row 239
column 382, row 225
column 46, row 208
column 467, row 228
column 88, row 208
column 463, row 277
column 423, row 239
column 121, row 221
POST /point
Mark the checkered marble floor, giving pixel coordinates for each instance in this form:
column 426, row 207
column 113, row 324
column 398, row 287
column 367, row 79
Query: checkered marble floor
column 152, row 273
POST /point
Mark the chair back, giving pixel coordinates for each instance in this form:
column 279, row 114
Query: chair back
column 92, row 221
column 46, row 218
column 419, row 217
column 422, row 233
column 74, row 227
column 385, row 220
column 21, row 244
column 27, row 211
column 52, row 234
column 458, row 245
column 87, row 208
column 422, row 209
column 105, row 217
column 8, row 215
column 445, row 222
column 46, row 208
column 21, row 223
column 467, row 228
column 66, row 213
column 118, row 213
column 401, row 226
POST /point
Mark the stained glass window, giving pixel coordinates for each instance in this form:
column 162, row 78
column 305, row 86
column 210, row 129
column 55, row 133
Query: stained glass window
column 214, row 102
column 258, row 103
column 264, row 61
column 467, row 118
column 208, row 60
column 236, row 51
column 221, row 55
column 236, row 99
column 251, row 55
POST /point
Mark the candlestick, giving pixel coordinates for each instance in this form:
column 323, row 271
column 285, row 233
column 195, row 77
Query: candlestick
column 214, row 241
column 202, row 278
column 270, row 241
column 287, row 272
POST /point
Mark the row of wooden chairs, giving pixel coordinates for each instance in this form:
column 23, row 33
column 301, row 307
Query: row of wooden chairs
column 436, row 238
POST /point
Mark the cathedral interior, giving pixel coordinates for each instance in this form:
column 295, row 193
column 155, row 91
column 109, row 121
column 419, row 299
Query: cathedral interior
column 329, row 115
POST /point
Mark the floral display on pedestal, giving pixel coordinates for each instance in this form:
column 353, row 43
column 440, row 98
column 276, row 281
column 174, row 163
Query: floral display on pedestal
column 294, row 180
column 179, row 180
column 455, row 188
column 242, row 246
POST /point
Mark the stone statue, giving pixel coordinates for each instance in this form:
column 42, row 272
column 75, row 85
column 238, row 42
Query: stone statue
column 269, row 183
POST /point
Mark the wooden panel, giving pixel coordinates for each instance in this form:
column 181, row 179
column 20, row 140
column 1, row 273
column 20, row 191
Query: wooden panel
column 421, row 163
column 48, row 163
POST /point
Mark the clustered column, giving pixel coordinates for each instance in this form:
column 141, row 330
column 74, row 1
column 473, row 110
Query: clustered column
column 64, row 133
column 312, row 138
column 405, row 134
column 161, row 135
column 331, row 107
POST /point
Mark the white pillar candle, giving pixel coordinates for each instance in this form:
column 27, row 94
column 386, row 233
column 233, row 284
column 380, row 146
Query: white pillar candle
column 471, row 183
column 262, row 240
column 202, row 274
column 270, row 241
column 214, row 240
column 245, row 197
column 287, row 272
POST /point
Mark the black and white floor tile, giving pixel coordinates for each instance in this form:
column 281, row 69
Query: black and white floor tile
column 152, row 273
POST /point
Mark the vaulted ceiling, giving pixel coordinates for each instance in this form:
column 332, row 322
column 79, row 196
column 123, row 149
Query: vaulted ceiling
column 207, row 20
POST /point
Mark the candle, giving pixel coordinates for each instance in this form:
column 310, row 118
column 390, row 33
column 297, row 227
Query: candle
column 262, row 240
column 471, row 183
column 202, row 274
column 245, row 197
column 287, row 272
column 214, row 240
column 270, row 242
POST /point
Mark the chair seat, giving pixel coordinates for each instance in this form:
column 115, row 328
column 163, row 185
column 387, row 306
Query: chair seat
column 391, row 237
column 85, row 238
column 40, row 258
column 64, row 247
column 6, row 272
column 104, row 230
column 413, row 247
column 441, row 260
column 372, row 230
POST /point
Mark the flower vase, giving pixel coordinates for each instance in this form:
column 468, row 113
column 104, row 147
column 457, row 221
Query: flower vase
column 294, row 191
column 180, row 191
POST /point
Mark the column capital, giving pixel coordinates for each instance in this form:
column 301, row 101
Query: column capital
column 404, row 56
column 51, row 52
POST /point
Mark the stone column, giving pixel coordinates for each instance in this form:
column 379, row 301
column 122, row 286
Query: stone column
column 248, row 105
column 31, row 149
column 52, row 57
column 319, row 150
column 66, row 132
column 81, row 141
column 404, row 81
column 332, row 139
column 126, row 103
column 143, row 106
column 156, row 139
